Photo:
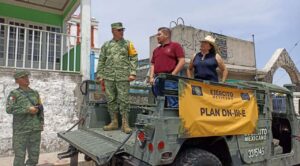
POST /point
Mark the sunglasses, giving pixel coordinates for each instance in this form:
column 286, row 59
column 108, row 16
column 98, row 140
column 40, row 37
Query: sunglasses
column 121, row 30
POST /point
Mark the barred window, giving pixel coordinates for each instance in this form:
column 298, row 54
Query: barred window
column 13, row 39
column 2, row 38
column 34, row 40
column 52, row 38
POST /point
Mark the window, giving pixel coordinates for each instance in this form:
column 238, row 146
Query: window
column 54, row 37
column 260, row 97
column 34, row 39
column 222, row 44
column 17, row 35
column 14, row 30
column 2, row 39
column 279, row 102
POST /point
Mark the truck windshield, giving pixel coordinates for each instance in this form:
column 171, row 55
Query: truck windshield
column 279, row 102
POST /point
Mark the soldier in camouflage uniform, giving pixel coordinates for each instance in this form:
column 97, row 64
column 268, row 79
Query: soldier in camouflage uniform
column 28, row 120
column 117, row 67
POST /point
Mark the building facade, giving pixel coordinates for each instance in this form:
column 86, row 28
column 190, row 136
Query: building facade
column 38, row 36
column 239, row 55
column 233, row 50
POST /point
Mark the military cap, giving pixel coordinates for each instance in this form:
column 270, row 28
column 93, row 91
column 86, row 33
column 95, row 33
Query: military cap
column 117, row 25
column 21, row 73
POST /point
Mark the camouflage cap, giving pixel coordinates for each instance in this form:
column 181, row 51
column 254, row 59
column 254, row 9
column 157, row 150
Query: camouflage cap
column 21, row 73
column 117, row 25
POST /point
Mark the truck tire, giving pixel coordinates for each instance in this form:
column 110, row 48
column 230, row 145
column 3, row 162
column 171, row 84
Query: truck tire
column 196, row 157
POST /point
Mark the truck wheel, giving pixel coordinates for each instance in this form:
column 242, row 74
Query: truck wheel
column 196, row 157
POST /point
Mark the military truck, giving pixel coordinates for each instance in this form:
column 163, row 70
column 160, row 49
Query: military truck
column 167, row 136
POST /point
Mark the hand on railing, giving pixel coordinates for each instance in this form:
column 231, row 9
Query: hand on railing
column 131, row 78
column 151, row 80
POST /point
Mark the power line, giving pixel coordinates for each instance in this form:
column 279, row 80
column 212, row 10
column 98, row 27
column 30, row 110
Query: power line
column 295, row 45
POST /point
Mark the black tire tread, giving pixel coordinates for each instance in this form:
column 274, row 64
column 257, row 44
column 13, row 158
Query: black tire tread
column 194, row 156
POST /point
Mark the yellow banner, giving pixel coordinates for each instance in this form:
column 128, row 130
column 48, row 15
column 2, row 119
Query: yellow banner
column 215, row 110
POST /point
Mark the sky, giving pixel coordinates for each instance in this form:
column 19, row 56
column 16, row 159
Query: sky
column 274, row 23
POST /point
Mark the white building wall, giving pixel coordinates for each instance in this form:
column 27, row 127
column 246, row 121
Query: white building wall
column 296, row 102
column 58, row 94
column 73, row 32
column 96, row 37
column 236, row 50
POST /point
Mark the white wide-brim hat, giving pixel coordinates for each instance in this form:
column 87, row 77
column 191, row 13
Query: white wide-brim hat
column 209, row 39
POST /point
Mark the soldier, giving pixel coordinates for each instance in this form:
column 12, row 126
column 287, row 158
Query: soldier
column 28, row 120
column 117, row 67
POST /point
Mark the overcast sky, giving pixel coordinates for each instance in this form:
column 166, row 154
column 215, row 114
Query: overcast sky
column 275, row 23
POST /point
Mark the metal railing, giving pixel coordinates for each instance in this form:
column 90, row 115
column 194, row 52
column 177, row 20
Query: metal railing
column 22, row 47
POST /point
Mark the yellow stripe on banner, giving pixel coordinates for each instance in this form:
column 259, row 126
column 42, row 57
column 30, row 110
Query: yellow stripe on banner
column 215, row 110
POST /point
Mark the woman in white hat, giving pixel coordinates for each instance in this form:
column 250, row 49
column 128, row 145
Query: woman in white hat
column 204, row 64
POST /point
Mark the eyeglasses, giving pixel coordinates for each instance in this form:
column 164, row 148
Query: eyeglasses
column 121, row 30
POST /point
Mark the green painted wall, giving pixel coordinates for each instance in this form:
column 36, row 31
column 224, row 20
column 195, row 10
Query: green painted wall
column 69, row 8
column 71, row 54
column 33, row 15
column 38, row 16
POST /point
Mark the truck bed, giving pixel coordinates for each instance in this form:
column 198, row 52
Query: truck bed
column 115, row 135
column 97, row 143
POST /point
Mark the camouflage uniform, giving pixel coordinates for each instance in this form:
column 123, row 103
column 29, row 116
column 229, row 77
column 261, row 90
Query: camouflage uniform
column 27, row 127
column 117, row 61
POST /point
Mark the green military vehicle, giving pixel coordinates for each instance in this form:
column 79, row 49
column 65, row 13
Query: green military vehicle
column 161, row 135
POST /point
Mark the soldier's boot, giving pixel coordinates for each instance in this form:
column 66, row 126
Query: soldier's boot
column 114, row 125
column 125, row 127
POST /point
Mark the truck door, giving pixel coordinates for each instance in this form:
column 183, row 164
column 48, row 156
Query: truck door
column 255, row 147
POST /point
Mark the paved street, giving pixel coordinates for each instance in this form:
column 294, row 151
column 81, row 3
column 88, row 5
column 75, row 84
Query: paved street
column 48, row 159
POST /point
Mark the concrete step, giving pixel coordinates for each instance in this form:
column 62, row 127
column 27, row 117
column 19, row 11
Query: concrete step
column 49, row 159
